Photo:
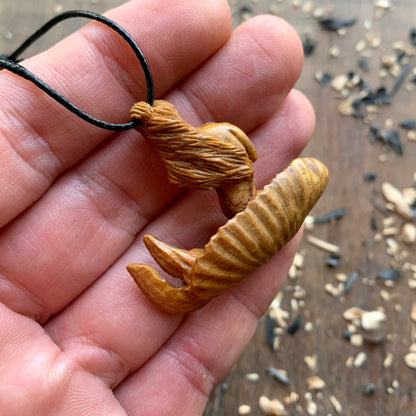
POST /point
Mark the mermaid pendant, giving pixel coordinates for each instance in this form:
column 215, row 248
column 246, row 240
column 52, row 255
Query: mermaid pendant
column 220, row 156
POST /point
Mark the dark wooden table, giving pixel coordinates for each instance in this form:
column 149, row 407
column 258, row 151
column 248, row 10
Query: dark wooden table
column 344, row 144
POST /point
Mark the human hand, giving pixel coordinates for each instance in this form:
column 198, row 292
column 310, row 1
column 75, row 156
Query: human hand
column 77, row 337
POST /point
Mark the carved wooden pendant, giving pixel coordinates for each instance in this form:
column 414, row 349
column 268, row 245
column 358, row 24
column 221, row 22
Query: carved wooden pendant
column 214, row 155
column 258, row 231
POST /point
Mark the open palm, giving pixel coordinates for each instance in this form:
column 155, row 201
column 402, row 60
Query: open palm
column 77, row 337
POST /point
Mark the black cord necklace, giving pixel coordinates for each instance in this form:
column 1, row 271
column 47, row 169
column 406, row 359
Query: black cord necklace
column 11, row 63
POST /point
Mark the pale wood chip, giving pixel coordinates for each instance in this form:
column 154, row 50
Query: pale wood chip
column 315, row 383
column 322, row 244
column 272, row 407
column 410, row 359
column 360, row 359
column 244, row 409
column 408, row 233
column 413, row 312
column 393, row 195
column 337, row 405
column 388, row 361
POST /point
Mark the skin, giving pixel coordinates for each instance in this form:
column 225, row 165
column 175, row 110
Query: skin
column 76, row 335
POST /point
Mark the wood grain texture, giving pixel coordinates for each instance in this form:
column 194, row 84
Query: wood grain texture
column 239, row 247
column 342, row 144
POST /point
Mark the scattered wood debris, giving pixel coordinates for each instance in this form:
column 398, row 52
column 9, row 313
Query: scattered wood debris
column 334, row 24
column 291, row 399
column 279, row 375
column 244, row 409
column 311, row 406
column 372, row 320
column 369, row 389
column 391, row 223
column 272, row 406
column 310, row 361
column 252, row 377
column 396, row 197
column 408, row 233
column 324, row 245
column 295, row 325
column 410, row 359
column 330, row 216
column 360, row 359
column 388, row 361
column 336, row 404
column 315, row 383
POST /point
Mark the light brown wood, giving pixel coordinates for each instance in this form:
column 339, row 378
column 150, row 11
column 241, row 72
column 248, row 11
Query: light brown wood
column 239, row 247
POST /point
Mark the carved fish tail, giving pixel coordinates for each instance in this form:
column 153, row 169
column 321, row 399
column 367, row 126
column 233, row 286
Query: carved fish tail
column 239, row 247
column 267, row 224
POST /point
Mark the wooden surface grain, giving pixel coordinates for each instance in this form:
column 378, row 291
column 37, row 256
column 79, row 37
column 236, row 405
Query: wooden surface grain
column 343, row 143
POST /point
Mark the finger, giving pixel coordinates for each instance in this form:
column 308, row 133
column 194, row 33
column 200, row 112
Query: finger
column 256, row 69
column 95, row 69
column 92, row 214
column 205, row 347
column 37, row 379
column 121, row 312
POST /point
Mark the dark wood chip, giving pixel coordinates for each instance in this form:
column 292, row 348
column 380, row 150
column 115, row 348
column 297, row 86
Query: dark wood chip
column 369, row 389
column 295, row 325
column 336, row 24
column 370, row 177
column 413, row 35
column 330, row 216
column 333, row 260
column 400, row 79
column 408, row 124
column 350, row 282
column 309, row 45
column 364, row 64
column 279, row 376
column 389, row 274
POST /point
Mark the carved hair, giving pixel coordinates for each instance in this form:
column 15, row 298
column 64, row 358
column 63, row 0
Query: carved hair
column 192, row 156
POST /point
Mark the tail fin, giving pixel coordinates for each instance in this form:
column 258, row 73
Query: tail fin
column 163, row 295
column 175, row 261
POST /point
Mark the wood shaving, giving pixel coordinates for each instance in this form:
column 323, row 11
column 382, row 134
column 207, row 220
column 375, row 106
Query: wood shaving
column 272, row 407
column 408, row 233
column 393, row 195
column 252, row 377
column 410, row 359
column 334, row 51
column 386, row 296
column 337, row 405
column 360, row 359
column 413, row 312
column 357, row 340
column 309, row 223
column 353, row 313
column 315, row 383
column 291, row 399
column 244, row 409
column 388, row 361
column 322, row 244
column 311, row 406
column 372, row 320
column 311, row 362
column 349, row 362
column 308, row 326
